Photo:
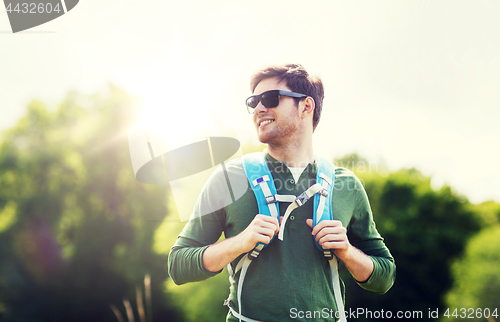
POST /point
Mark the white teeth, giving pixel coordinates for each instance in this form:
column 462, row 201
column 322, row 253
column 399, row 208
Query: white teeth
column 266, row 122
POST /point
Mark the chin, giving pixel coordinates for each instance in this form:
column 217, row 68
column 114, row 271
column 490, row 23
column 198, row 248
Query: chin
column 263, row 136
column 263, row 140
column 266, row 139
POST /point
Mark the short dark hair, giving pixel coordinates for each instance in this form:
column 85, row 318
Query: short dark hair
column 298, row 80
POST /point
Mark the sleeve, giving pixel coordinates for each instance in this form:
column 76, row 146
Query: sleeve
column 363, row 235
column 207, row 222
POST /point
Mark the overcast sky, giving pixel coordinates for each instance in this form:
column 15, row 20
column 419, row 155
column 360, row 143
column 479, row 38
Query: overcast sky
column 413, row 83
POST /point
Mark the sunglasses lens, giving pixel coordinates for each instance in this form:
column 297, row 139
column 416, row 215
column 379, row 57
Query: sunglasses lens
column 270, row 99
column 252, row 101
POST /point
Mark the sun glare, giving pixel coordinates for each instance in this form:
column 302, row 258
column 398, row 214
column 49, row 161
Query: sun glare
column 176, row 105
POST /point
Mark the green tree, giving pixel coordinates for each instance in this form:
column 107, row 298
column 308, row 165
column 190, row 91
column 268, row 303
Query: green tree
column 76, row 228
column 476, row 275
column 489, row 213
column 425, row 231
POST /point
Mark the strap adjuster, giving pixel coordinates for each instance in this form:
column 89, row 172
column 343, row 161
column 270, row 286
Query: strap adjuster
column 301, row 199
column 324, row 192
column 328, row 253
column 253, row 254
column 271, row 199
column 260, row 180
column 256, row 251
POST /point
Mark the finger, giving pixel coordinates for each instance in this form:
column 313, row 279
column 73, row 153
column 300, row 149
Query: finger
column 325, row 223
column 267, row 230
column 335, row 245
column 276, row 232
column 260, row 238
column 265, row 222
column 270, row 220
column 264, row 227
column 264, row 235
column 331, row 237
column 267, row 219
column 335, row 233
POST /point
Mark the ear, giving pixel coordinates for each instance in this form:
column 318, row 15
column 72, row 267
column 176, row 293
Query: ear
column 307, row 107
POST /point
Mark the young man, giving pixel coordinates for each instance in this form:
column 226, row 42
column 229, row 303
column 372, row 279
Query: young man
column 292, row 275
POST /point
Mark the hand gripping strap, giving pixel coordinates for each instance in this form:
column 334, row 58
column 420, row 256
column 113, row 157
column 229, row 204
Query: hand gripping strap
column 325, row 176
column 260, row 179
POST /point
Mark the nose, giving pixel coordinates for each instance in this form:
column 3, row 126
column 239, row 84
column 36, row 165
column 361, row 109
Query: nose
column 260, row 108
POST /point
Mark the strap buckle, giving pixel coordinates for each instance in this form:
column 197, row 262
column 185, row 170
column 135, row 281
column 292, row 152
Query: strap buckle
column 256, row 251
column 253, row 254
column 271, row 199
column 301, row 199
column 328, row 253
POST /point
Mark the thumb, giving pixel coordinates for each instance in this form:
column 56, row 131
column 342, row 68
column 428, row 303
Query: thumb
column 278, row 228
column 309, row 222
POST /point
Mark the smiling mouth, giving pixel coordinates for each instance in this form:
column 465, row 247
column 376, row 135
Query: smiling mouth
column 266, row 122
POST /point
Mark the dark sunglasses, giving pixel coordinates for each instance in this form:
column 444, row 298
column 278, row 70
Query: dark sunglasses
column 269, row 99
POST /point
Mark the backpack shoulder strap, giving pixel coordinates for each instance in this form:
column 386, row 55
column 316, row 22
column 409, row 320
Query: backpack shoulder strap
column 323, row 211
column 325, row 176
column 262, row 183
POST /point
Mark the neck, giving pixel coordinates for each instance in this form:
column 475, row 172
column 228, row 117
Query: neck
column 293, row 154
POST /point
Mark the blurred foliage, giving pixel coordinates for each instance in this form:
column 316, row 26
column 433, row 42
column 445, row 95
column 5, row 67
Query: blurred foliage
column 425, row 230
column 201, row 301
column 477, row 274
column 76, row 228
column 78, row 233
column 488, row 212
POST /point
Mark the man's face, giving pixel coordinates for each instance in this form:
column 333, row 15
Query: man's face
column 279, row 124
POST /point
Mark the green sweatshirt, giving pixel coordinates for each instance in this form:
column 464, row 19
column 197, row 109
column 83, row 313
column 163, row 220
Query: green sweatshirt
column 290, row 275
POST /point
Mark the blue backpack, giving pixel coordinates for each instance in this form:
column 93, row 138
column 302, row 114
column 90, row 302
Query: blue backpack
column 262, row 184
